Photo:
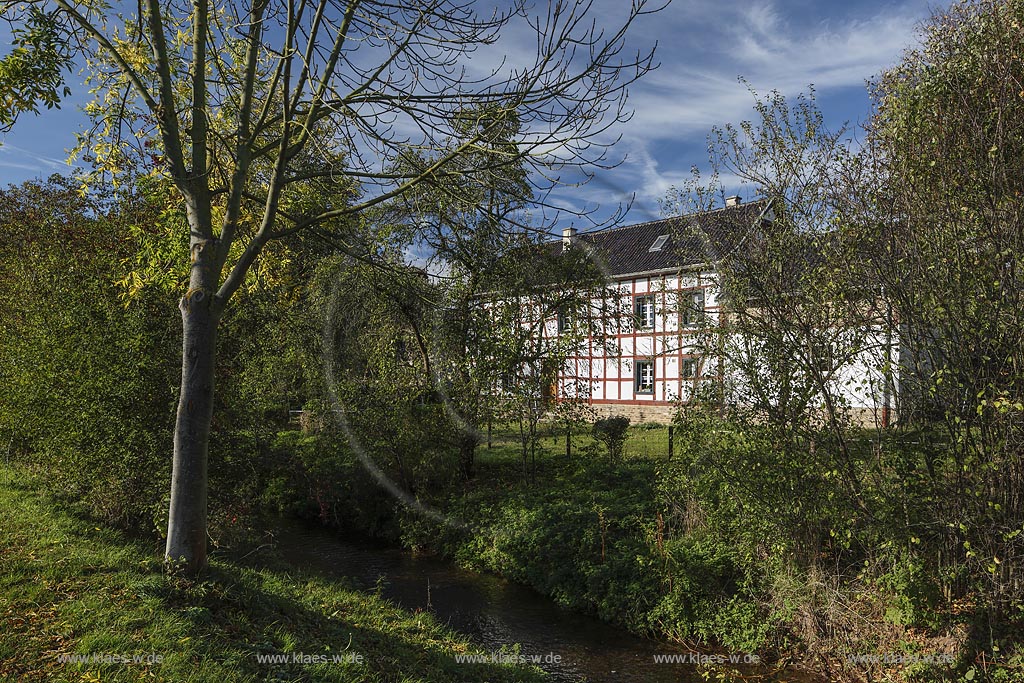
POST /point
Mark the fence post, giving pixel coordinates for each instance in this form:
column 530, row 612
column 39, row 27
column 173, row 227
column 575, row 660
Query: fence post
column 568, row 442
column 670, row 442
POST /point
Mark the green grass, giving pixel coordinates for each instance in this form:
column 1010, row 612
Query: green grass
column 68, row 586
column 643, row 441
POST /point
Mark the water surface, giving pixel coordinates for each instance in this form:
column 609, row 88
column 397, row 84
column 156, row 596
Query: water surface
column 495, row 613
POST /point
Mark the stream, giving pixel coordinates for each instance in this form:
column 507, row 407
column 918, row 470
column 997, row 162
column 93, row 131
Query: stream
column 494, row 613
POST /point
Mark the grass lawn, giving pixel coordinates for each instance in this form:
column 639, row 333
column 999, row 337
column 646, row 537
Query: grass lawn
column 643, row 441
column 69, row 587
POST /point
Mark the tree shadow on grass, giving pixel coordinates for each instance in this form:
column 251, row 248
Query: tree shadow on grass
column 97, row 592
column 245, row 615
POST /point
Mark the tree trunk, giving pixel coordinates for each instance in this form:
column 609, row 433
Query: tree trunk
column 467, row 455
column 186, row 525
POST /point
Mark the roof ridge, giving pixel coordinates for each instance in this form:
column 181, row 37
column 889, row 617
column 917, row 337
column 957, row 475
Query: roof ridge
column 670, row 218
column 634, row 225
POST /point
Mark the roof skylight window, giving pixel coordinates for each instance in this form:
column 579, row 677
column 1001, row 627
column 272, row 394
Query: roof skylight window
column 659, row 243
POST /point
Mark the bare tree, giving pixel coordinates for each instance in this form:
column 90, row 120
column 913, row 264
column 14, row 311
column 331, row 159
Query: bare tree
column 275, row 116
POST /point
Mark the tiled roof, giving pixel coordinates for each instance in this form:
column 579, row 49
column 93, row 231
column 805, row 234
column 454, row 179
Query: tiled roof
column 692, row 239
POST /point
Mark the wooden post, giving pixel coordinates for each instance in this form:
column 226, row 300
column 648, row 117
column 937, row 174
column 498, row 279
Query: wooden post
column 488, row 431
column 568, row 442
column 670, row 442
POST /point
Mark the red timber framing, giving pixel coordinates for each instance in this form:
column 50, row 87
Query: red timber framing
column 646, row 259
column 669, row 348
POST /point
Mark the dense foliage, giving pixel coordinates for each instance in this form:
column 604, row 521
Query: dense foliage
column 87, row 379
column 90, row 356
column 611, row 431
column 949, row 137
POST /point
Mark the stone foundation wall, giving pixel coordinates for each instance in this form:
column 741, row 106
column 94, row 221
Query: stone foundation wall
column 636, row 413
column 863, row 417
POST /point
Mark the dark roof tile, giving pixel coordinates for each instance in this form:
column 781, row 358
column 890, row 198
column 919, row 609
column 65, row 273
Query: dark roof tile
column 693, row 239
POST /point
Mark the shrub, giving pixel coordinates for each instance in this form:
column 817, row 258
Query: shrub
column 91, row 375
column 89, row 381
column 611, row 431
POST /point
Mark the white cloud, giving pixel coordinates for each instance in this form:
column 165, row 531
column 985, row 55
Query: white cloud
column 705, row 46
column 697, row 86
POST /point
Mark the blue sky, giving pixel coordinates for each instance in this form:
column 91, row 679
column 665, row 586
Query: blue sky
column 703, row 47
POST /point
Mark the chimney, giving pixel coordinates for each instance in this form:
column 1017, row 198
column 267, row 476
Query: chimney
column 733, row 200
column 568, row 237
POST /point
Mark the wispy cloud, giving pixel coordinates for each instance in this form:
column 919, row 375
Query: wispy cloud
column 12, row 156
column 698, row 86
column 705, row 46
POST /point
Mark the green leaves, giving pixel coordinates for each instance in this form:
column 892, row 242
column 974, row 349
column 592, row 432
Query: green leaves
column 88, row 378
column 32, row 74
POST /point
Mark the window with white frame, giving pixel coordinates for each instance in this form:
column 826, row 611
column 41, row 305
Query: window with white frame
column 643, row 311
column 693, row 308
column 659, row 243
column 643, row 379
column 689, row 368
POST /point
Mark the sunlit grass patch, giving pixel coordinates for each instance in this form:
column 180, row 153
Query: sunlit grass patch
column 72, row 589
